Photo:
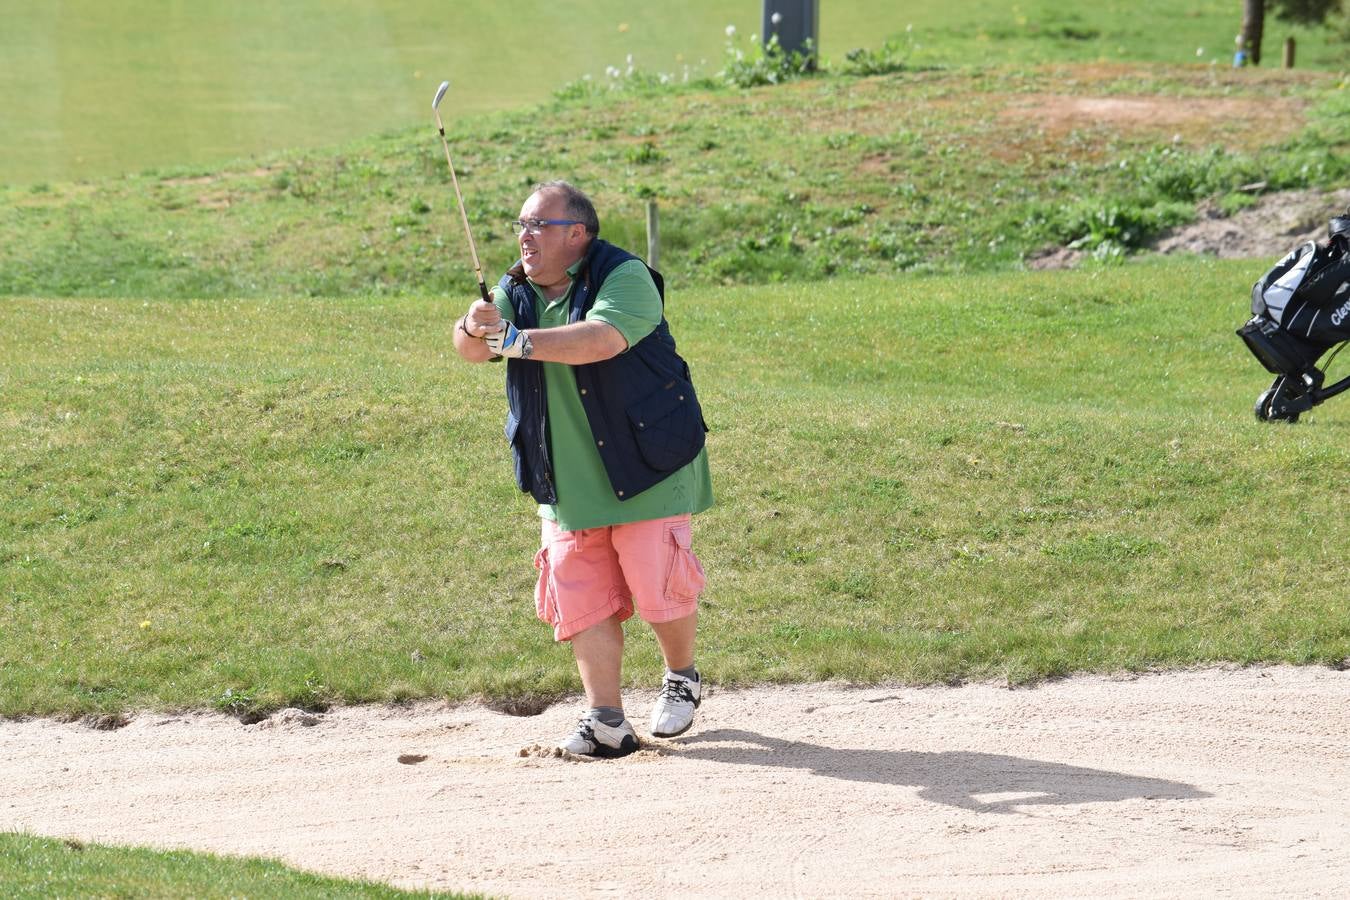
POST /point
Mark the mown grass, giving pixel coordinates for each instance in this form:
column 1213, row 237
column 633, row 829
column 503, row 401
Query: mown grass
column 179, row 86
column 939, row 170
column 34, row 867
column 201, row 86
column 259, row 503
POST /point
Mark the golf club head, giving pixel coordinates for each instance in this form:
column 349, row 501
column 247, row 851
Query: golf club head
column 440, row 92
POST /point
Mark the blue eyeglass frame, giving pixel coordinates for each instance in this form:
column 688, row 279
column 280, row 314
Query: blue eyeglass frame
column 535, row 225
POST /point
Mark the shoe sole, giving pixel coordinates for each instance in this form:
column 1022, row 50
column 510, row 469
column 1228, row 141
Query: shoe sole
column 605, row 751
column 666, row 734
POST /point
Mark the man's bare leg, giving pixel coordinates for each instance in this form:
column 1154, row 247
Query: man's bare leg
column 676, row 639
column 603, row 730
column 599, row 654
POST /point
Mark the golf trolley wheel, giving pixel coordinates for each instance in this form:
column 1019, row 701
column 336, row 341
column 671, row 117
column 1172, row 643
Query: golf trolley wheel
column 1263, row 410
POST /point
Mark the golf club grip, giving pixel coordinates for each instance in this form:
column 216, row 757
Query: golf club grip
column 482, row 289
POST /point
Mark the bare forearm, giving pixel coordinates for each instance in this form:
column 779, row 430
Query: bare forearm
column 576, row 344
column 471, row 349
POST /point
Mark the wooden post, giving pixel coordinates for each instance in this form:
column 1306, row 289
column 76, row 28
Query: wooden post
column 653, row 236
column 1289, row 53
column 1253, row 24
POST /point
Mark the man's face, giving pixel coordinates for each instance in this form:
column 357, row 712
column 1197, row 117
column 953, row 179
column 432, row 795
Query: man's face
column 547, row 255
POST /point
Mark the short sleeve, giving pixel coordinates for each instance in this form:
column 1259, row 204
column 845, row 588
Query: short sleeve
column 629, row 301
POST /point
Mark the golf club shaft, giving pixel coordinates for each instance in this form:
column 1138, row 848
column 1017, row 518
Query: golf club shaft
column 463, row 214
column 464, row 217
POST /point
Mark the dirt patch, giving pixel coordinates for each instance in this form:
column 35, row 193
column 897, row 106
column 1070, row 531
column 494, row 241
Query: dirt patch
column 198, row 179
column 106, row 722
column 1234, row 122
column 1055, row 258
column 1223, row 781
column 259, row 172
column 524, row 705
column 1275, row 224
column 1271, row 228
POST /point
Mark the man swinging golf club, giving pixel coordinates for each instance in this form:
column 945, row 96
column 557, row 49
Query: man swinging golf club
column 608, row 437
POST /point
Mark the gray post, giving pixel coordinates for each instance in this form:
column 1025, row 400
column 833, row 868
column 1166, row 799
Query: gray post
column 796, row 22
column 1288, row 53
column 653, row 236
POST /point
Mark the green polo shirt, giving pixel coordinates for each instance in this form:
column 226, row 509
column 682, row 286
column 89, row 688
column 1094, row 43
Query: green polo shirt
column 628, row 300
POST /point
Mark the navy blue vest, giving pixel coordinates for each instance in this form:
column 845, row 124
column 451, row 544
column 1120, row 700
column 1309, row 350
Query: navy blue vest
column 641, row 406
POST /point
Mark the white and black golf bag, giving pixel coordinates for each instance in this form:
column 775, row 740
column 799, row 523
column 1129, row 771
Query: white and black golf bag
column 1300, row 311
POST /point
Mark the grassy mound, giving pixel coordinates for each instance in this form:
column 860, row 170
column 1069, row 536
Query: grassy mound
column 935, row 170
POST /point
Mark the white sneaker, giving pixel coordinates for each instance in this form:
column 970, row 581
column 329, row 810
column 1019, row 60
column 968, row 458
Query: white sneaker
column 675, row 705
column 595, row 738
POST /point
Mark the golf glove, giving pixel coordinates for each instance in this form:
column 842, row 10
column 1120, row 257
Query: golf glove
column 510, row 342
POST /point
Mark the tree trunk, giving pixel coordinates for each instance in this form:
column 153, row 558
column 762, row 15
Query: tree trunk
column 1253, row 23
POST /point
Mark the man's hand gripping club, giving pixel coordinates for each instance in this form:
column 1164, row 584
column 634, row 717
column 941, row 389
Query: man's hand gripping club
column 481, row 322
column 510, row 342
column 482, row 318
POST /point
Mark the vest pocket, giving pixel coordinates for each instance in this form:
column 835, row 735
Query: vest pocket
column 667, row 425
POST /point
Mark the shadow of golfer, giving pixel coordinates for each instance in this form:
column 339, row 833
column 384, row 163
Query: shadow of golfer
column 953, row 778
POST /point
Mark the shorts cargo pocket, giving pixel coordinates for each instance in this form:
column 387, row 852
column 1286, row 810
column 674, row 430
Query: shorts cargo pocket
column 684, row 578
column 545, row 599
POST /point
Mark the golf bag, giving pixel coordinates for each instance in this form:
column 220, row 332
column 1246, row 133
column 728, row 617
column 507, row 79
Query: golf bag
column 1300, row 311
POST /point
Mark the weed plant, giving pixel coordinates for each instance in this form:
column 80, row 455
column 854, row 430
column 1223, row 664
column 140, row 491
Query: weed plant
column 766, row 62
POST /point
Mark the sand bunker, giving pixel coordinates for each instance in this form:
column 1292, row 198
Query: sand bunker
column 1232, row 782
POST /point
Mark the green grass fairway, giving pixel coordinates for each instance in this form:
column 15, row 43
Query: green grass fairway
column 90, row 89
column 33, row 867
column 248, row 504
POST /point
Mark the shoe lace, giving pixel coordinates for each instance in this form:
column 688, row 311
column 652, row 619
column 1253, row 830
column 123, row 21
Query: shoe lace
column 585, row 729
column 676, row 691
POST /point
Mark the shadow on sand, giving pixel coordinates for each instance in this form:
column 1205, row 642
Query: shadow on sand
column 953, row 778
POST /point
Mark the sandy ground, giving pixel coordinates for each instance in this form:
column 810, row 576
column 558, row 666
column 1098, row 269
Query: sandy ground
column 1232, row 782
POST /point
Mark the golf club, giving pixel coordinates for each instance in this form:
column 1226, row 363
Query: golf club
column 473, row 251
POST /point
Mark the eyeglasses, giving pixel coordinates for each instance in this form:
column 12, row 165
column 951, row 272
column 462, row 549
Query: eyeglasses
column 536, row 226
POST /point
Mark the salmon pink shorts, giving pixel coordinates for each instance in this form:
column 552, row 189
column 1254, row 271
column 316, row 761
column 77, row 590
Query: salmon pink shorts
column 589, row 575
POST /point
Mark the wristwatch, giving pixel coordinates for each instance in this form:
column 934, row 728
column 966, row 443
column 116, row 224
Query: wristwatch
column 526, row 345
